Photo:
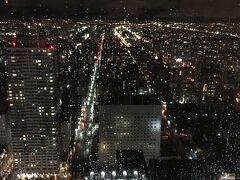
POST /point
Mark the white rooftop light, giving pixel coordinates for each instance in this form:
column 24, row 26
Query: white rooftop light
column 102, row 174
column 124, row 173
column 114, row 173
column 91, row 173
column 135, row 173
column 179, row 60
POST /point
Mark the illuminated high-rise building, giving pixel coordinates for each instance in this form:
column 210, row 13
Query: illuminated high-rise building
column 129, row 127
column 4, row 130
column 33, row 104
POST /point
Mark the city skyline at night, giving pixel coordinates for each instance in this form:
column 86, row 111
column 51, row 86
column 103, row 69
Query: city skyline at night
column 143, row 90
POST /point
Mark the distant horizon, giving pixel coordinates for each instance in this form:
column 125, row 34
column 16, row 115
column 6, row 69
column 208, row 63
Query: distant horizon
column 121, row 8
column 196, row 19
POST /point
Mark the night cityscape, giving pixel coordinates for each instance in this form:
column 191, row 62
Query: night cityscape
column 127, row 90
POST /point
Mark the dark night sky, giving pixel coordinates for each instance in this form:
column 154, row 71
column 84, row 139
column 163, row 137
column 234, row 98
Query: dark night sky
column 207, row 8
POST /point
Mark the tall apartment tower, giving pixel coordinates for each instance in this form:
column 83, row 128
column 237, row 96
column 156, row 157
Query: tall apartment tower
column 4, row 130
column 33, row 105
column 129, row 127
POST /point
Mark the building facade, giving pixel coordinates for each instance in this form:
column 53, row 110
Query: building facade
column 129, row 127
column 33, row 103
column 4, row 130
